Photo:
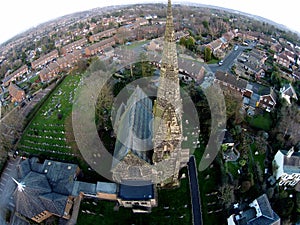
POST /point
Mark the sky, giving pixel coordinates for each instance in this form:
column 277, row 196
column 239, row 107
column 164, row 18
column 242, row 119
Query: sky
column 17, row 16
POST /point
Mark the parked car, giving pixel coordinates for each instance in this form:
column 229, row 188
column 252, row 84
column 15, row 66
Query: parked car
column 221, row 63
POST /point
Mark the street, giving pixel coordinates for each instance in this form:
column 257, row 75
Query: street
column 228, row 60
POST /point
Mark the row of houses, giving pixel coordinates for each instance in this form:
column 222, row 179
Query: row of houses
column 254, row 95
column 62, row 63
column 218, row 46
column 44, row 59
column 103, row 34
column 251, row 64
column 18, row 73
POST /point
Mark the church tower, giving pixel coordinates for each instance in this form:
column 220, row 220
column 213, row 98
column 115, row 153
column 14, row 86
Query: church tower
column 167, row 109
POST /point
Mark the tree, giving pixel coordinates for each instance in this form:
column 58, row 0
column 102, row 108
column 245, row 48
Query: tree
column 205, row 24
column 207, row 54
column 103, row 105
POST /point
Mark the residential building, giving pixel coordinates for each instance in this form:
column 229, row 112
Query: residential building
column 286, row 167
column 11, row 77
column 43, row 60
column 231, row 82
column 103, row 34
column 74, row 45
column 17, row 94
column 287, row 92
column 99, row 46
column 268, row 101
column 258, row 212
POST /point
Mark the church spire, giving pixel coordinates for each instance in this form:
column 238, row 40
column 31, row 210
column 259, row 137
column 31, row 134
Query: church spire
column 169, row 33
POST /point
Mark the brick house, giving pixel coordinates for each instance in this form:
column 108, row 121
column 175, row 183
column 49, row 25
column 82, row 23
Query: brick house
column 11, row 77
column 74, row 45
column 100, row 46
column 44, row 59
column 268, row 101
column 17, row 94
column 103, row 34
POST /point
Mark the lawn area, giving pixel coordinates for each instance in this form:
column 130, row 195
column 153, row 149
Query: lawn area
column 46, row 134
column 232, row 167
column 136, row 44
column 174, row 207
column 263, row 122
column 260, row 158
column 213, row 61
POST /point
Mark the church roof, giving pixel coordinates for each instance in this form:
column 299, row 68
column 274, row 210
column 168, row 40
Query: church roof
column 136, row 190
column 136, row 120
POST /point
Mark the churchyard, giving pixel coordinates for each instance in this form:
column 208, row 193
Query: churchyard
column 46, row 133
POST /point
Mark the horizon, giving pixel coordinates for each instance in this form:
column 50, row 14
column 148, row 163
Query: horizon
column 35, row 18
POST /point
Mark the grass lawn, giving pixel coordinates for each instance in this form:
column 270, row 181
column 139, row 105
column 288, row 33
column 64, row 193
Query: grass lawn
column 172, row 205
column 213, row 61
column 136, row 44
column 260, row 158
column 232, row 167
column 263, row 122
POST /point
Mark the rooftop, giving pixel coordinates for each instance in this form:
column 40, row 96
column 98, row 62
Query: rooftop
column 136, row 190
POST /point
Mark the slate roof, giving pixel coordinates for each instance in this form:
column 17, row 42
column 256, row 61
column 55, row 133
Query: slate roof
column 136, row 190
column 60, row 176
column 259, row 212
column 84, row 187
column 136, row 119
column 55, row 203
column 27, row 201
column 46, row 186
column 291, row 164
column 104, row 187
column 231, row 79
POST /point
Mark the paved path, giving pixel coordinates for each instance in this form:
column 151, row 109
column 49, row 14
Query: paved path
column 195, row 194
column 7, row 186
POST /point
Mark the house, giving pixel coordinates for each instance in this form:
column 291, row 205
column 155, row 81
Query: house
column 258, row 212
column 228, row 150
column 155, row 45
column 43, row 60
column 268, row 101
column 230, row 82
column 276, row 47
column 99, row 46
column 11, row 77
column 103, row 34
column 74, row 45
column 287, row 92
column 283, row 60
column 17, row 94
column 287, row 164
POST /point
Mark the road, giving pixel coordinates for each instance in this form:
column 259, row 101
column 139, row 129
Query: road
column 228, row 61
column 195, row 194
